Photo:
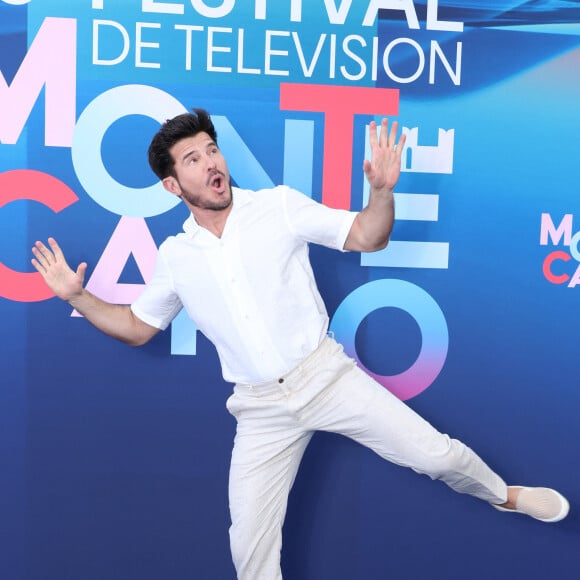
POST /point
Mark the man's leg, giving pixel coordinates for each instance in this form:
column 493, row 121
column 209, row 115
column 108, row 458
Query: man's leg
column 267, row 451
column 358, row 407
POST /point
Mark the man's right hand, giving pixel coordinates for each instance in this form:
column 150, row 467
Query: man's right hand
column 116, row 320
column 59, row 277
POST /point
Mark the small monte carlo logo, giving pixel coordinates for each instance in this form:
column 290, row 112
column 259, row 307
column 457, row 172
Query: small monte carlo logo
column 561, row 266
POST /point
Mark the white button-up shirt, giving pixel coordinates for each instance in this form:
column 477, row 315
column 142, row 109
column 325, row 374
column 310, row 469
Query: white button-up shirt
column 251, row 292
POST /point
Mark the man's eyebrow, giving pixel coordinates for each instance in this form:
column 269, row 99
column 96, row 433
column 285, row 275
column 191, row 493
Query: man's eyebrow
column 187, row 155
column 209, row 145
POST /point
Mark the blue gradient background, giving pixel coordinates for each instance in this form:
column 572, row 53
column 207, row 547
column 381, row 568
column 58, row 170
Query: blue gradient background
column 114, row 461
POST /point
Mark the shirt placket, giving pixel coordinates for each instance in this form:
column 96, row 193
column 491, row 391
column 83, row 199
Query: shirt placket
column 244, row 309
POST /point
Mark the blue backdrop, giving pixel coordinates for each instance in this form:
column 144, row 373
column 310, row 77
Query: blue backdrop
column 113, row 460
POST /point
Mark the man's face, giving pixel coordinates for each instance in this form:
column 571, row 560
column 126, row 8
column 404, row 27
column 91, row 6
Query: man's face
column 203, row 179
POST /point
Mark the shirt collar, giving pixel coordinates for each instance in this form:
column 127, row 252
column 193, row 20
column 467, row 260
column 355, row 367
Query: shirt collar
column 240, row 197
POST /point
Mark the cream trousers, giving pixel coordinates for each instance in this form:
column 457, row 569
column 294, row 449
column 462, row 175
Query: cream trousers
column 327, row 392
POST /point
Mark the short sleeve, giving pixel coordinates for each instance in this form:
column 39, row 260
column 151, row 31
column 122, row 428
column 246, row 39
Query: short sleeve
column 158, row 304
column 315, row 222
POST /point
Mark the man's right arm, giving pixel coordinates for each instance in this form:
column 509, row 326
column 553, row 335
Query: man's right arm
column 115, row 320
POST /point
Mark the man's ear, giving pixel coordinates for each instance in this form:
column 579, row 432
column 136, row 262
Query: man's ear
column 171, row 185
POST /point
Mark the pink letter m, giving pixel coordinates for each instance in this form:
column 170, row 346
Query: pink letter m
column 51, row 63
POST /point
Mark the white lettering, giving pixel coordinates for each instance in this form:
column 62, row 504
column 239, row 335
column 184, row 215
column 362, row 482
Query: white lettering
column 295, row 10
column 97, row 24
column 241, row 67
column 406, row 5
column 436, row 50
column 332, row 60
column 270, row 52
column 362, row 66
column 375, row 64
column 308, row 69
column 140, row 44
column 211, row 49
column 420, row 64
column 188, row 45
column 337, row 16
column 156, row 7
column 213, row 12
column 433, row 23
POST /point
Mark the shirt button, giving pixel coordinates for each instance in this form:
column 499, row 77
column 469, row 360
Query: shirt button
column 280, row 380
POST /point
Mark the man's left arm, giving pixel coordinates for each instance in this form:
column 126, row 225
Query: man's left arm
column 372, row 227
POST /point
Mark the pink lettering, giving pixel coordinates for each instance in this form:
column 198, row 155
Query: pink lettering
column 49, row 63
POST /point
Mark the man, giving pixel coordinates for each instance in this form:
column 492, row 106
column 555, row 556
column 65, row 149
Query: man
column 241, row 271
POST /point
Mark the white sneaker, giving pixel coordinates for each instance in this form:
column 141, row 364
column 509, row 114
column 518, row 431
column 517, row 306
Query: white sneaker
column 541, row 503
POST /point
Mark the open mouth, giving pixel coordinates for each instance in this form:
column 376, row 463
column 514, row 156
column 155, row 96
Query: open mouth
column 217, row 181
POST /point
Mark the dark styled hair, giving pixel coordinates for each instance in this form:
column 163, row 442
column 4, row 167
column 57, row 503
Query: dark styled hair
column 172, row 131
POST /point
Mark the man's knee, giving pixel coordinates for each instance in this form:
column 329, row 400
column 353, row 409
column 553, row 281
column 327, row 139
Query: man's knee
column 450, row 456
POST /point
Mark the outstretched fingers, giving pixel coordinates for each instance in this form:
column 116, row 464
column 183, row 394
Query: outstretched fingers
column 398, row 146
column 45, row 257
column 55, row 249
column 383, row 168
column 386, row 139
column 50, row 262
column 385, row 136
column 42, row 257
column 373, row 139
column 391, row 141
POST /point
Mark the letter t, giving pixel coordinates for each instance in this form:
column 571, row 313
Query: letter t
column 339, row 105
